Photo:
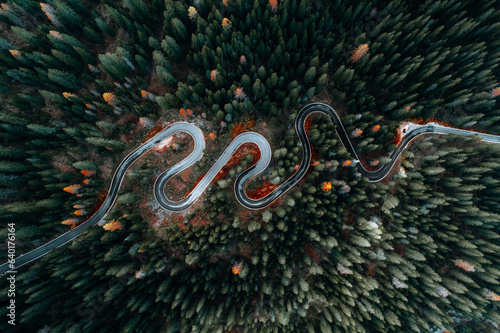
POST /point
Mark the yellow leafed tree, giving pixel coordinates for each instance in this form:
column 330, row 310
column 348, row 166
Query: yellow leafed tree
column 109, row 97
column 192, row 12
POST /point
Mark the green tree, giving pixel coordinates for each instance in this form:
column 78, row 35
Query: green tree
column 179, row 29
column 172, row 49
column 114, row 65
column 63, row 78
column 310, row 75
column 107, row 143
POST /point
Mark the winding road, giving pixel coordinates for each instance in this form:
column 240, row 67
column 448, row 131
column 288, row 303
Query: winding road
column 413, row 130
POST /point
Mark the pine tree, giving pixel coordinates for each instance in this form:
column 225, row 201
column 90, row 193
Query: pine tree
column 172, row 49
column 179, row 29
column 107, row 143
column 258, row 90
column 114, row 65
column 30, row 37
column 63, row 78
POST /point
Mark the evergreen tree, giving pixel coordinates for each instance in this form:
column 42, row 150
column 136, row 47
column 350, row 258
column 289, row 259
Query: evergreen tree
column 64, row 78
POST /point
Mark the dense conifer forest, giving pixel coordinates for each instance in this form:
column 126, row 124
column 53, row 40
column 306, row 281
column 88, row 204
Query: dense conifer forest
column 84, row 82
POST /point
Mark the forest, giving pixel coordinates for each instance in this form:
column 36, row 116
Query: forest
column 85, row 82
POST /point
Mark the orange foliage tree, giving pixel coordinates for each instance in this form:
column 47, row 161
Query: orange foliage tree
column 50, row 12
column 87, row 173
column 274, row 5
column 80, row 212
column 359, row 52
column 112, row 225
column 326, row 186
column 68, row 95
column 109, row 97
column 55, row 34
column 357, row 132
column 15, row 53
column 70, row 221
column 239, row 94
column 464, row 265
column 495, row 92
column 72, row 188
column 237, row 268
column 492, row 296
column 226, row 23
column 213, row 75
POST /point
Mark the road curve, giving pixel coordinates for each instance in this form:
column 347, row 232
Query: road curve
column 414, row 130
column 176, row 206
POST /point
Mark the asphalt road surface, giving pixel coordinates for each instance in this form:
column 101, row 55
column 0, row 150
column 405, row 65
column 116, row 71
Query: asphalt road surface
column 413, row 130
